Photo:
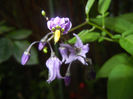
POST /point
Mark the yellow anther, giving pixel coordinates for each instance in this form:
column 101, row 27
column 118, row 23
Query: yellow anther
column 57, row 35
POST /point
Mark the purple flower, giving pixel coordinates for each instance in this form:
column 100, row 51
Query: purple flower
column 62, row 24
column 76, row 52
column 25, row 58
column 41, row 45
column 53, row 64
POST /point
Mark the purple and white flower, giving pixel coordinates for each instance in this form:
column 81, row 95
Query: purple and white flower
column 53, row 64
column 76, row 52
column 63, row 24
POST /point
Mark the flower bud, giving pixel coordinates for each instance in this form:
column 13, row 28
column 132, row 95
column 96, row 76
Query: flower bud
column 25, row 57
column 41, row 45
column 43, row 13
column 67, row 80
column 45, row 50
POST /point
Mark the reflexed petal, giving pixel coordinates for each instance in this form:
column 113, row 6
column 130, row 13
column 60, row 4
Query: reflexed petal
column 85, row 48
column 71, row 58
column 64, row 23
column 67, row 27
column 53, row 64
column 82, row 60
column 78, row 43
column 57, row 20
column 50, row 66
column 64, row 53
column 52, row 75
column 69, row 47
column 57, row 67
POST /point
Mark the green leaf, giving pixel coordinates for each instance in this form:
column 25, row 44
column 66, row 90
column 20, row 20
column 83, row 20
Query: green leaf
column 103, row 6
column 101, row 39
column 126, row 33
column 120, row 82
column 116, row 24
column 5, row 49
column 127, row 43
column 128, row 17
column 19, row 34
column 88, row 6
column 110, row 64
column 86, row 36
column 100, row 16
column 20, row 47
column 4, row 29
column 117, row 36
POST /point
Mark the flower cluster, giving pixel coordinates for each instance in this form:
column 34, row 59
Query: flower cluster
column 59, row 26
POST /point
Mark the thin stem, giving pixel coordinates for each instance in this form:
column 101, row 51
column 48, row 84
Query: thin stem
column 46, row 36
column 92, row 24
column 100, row 28
column 28, row 49
column 52, row 52
column 79, row 26
column 103, row 22
column 93, row 28
column 50, row 38
column 108, row 39
column 68, row 70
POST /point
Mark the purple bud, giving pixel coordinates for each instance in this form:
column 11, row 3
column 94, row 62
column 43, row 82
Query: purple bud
column 41, row 45
column 25, row 58
column 67, row 80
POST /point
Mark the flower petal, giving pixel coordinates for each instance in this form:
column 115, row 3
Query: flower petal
column 82, row 60
column 78, row 43
column 53, row 64
column 71, row 58
column 64, row 53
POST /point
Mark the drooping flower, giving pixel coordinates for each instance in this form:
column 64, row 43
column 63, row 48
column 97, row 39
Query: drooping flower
column 53, row 64
column 76, row 52
column 59, row 25
column 25, row 57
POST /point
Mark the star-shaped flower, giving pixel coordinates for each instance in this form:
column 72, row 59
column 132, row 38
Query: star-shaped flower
column 76, row 52
column 59, row 25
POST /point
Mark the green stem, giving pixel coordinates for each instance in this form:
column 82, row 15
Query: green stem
column 92, row 24
column 79, row 26
column 103, row 22
column 100, row 28
column 108, row 39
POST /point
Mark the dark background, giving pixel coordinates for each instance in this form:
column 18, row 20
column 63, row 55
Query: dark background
column 29, row 82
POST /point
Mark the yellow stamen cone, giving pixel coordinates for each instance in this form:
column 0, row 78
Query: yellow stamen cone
column 56, row 36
